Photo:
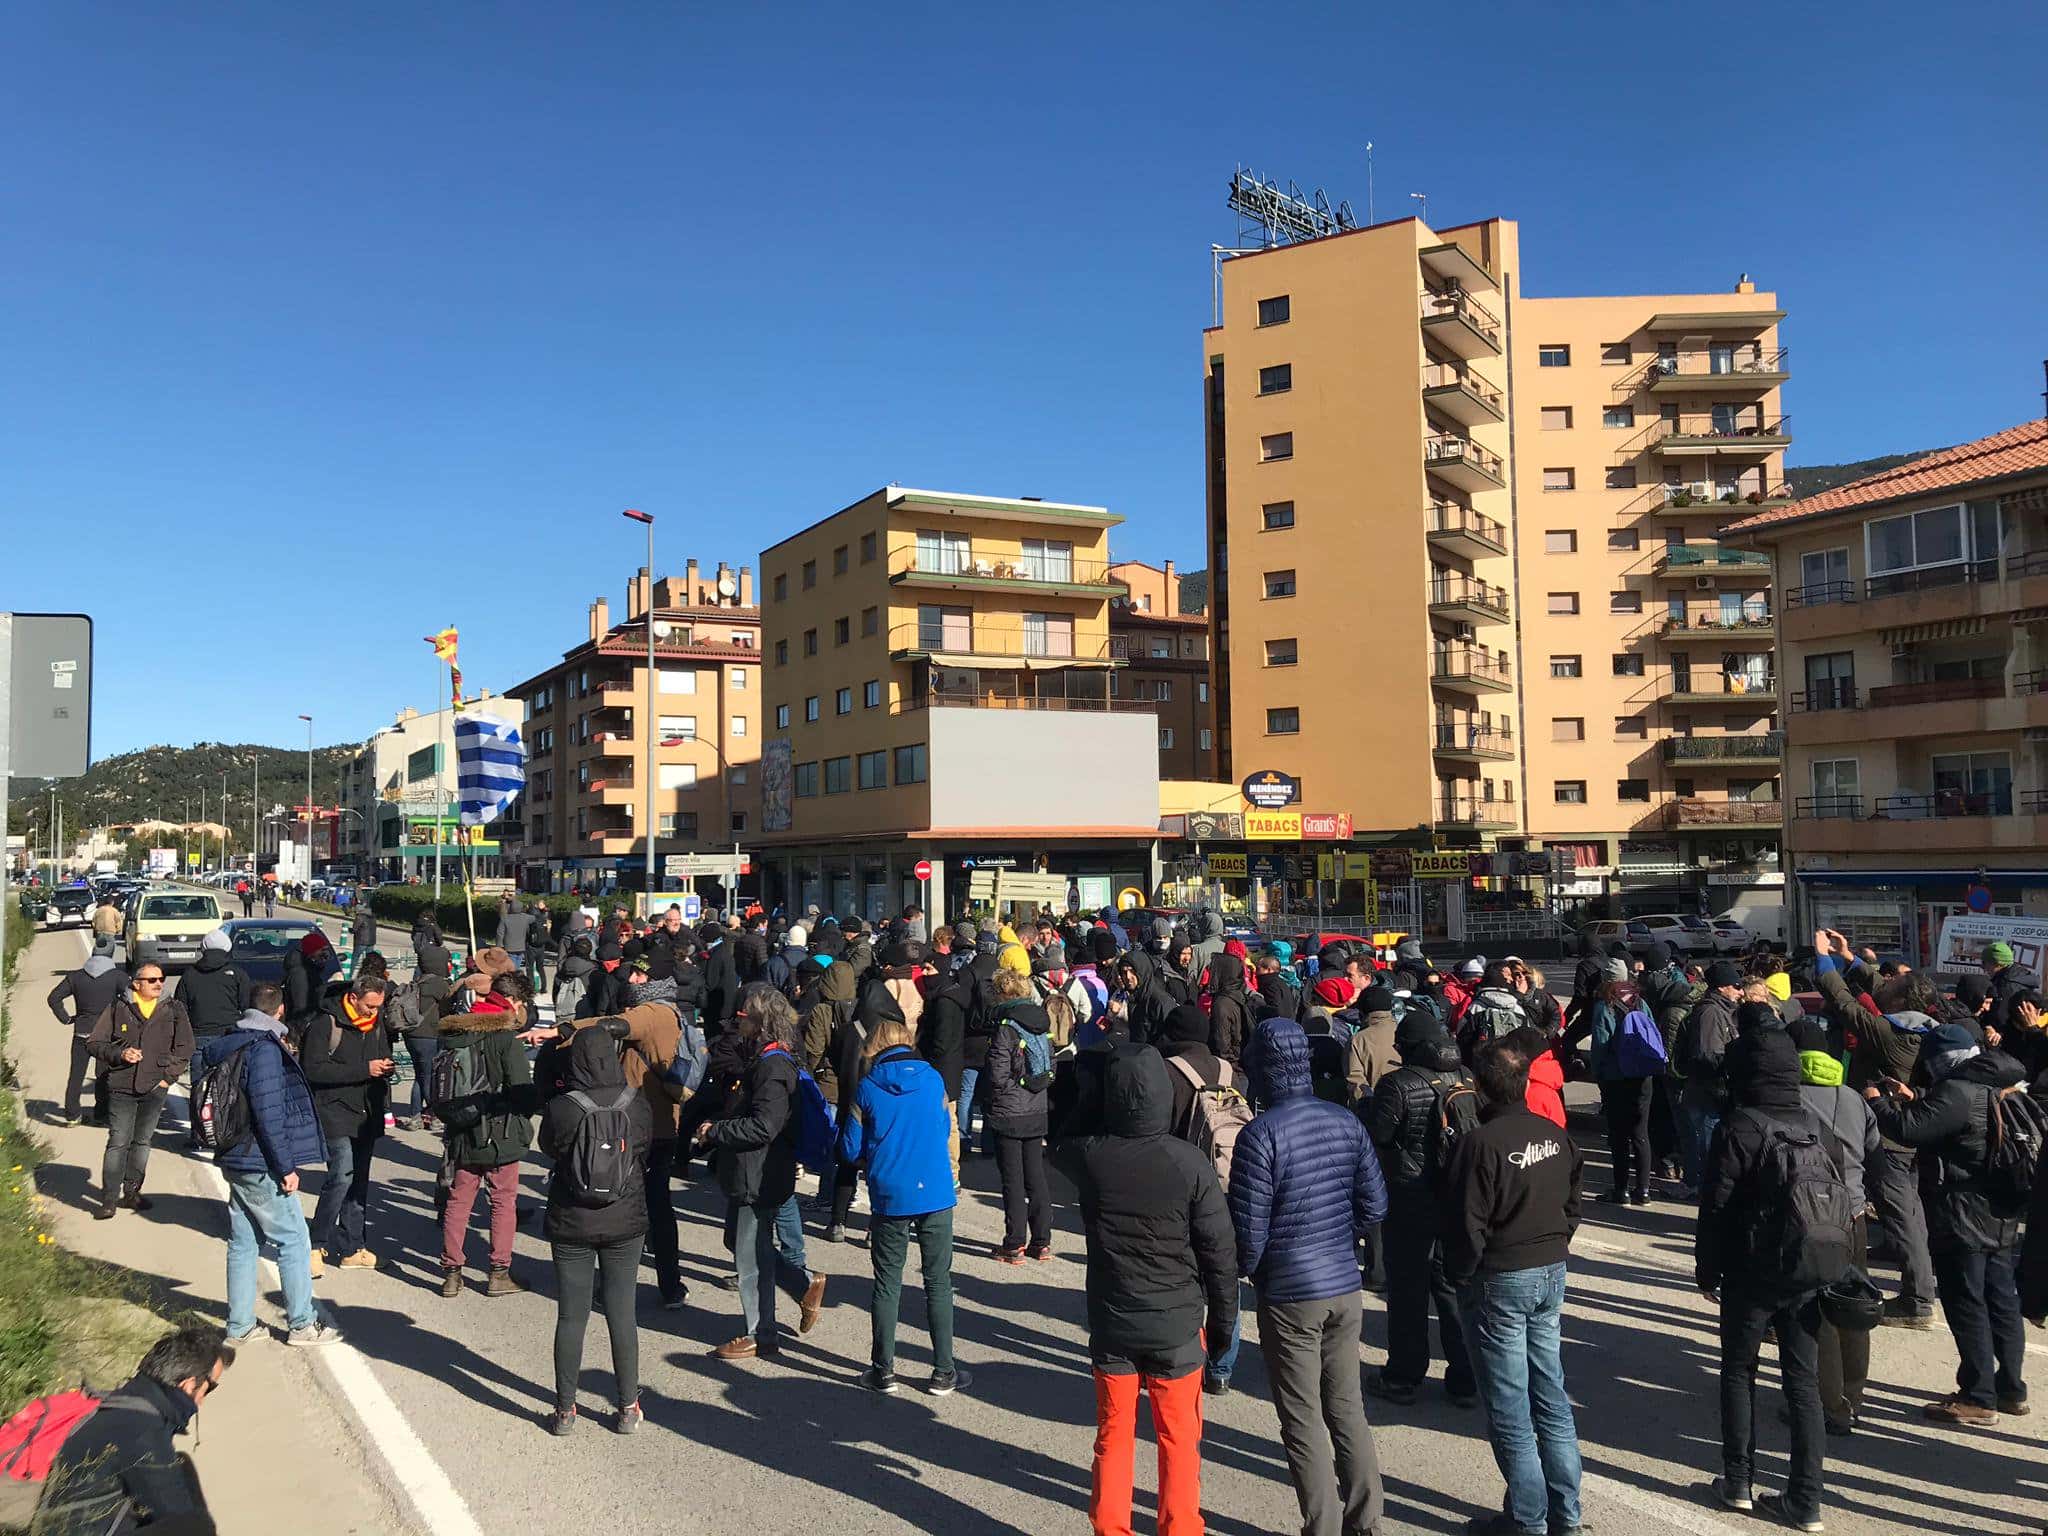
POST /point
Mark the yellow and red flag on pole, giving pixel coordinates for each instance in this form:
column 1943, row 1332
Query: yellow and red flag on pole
column 443, row 643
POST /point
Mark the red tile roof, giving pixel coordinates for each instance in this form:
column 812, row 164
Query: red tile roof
column 2000, row 456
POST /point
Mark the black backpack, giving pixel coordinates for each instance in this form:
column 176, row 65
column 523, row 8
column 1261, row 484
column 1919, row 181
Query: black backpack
column 2017, row 1128
column 1453, row 1116
column 1804, row 1220
column 223, row 1118
column 459, row 1085
column 598, row 1162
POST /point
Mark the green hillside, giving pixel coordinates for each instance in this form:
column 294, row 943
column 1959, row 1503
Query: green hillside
column 156, row 782
column 1811, row 479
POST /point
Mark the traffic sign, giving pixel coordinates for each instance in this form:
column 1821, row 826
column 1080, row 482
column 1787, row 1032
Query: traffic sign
column 680, row 864
column 1978, row 898
column 922, row 869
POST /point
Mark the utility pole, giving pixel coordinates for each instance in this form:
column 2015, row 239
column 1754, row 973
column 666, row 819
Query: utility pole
column 255, row 798
column 309, row 796
column 648, row 726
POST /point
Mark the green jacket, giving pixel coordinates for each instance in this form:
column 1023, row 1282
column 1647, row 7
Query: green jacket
column 506, row 1130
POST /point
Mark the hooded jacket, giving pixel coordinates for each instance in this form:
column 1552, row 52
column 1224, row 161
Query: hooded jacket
column 214, row 992
column 578, row 973
column 91, row 990
column 515, row 928
column 1205, row 933
column 901, row 1130
column 337, row 1056
column 1304, row 1180
column 595, row 1069
column 1950, row 1125
column 125, row 1452
column 1492, row 1013
column 826, row 999
column 506, row 1130
column 721, row 975
column 754, row 1144
column 1230, row 1010
column 309, row 966
column 286, row 1126
column 1607, row 1016
column 1844, row 1116
column 1162, row 1262
column 942, row 1027
column 653, row 1031
column 1708, row 1032
column 164, row 1038
column 1402, row 1110
column 1013, row 1109
column 1372, row 1054
column 1185, row 1038
column 1512, row 1191
column 1545, row 1094
column 1763, row 1076
column 1879, row 1045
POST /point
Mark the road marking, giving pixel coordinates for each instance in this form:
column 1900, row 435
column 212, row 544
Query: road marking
column 1670, row 1513
column 418, row 1476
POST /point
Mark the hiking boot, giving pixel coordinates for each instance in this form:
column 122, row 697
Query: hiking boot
column 564, row 1421
column 630, row 1418
column 835, row 1233
column 1041, row 1252
column 1215, row 1386
column 312, row 1335
column 1953, row 1410
column 451, row 1281
column 1380, row 1386
column 946, row 1383
column 362, row 1258
column 812, row 1304
column 105, row 1212
column 136, row 1201
column 1496, row 1525
column 501, row 1283
column 316, row 1264
column 2014, row 1407
column 1734, row 1496
column 1008, row 1255
column 1901, row 1313
column 879, row 1381
column 1773, row 1505
column 741, row 1348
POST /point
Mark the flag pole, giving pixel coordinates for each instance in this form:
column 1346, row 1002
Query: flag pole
column 440, row 789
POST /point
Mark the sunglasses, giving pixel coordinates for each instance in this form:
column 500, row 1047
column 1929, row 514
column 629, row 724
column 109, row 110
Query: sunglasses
column 156, row 979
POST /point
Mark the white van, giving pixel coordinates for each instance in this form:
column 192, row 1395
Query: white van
column 1761, row 917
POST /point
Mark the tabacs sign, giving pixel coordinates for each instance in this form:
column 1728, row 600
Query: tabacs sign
column 1271, row 789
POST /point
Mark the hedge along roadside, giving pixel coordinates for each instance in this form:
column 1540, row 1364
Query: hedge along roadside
column 399, row 905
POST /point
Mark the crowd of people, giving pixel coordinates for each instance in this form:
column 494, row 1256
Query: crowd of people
column 1311, row 1125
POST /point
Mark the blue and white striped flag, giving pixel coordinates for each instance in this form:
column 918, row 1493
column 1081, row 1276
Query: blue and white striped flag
column 490, row 766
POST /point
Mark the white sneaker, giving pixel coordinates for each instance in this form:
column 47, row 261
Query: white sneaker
column 313, row 1335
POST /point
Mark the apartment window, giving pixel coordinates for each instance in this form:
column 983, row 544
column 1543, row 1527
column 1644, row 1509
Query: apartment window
column 1283, row 722
column 671, row 680
column 1201, row 693
column 811, row 710
column 1978, row 781
column 738, row 679
column 1624, row 602
column 1559, row 480
column 874, row 770
column 1831, row 680
column 1837, row 787
column 1615, row 354
column 1552, row 355
column 867, row 548
column 1567, row 728
column 1631, row 789
column 1824, row 577
column 677, row 728
column 1627, row 664
column 1631, row 728
column 1683, row 788
column 677, row 823
column 1162, row 650
column 870, row 622
column 739, row 774
column 1623, row 540
column 1276, row 445
column 1939, row 536
column 1202, row 739
column 1556, row 418
column 838, row 775
column 1560, row 541
column 1276, row 379
column 739, row 725
column 911, row 765
column 1563, row 602
column 739, row 823
column 1281, row 653
column 1278, row 514
column 781, row 585
column 1618, row 416
column 1274, row 311
column 810, row 642
column 842, row 702
column 675, row 775
column 839, row 560
column 1622, row 478
column 782, row 717
column 1048, row 634
column 810, row 574
column 782, row 653
column 1165, row 737
column 806, row 779
column 1165, row 691
column 1567, row 666
column 842, row 630
column 1279, row 583
column 871, row 694
column 1568, row 791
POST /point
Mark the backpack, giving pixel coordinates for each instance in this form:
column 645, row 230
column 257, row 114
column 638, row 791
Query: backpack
column 1215, row 1117
column 1454, row 1115
column 402, row 1008
column 569, row 994
column 1329, row 1058
column 687, row 1070
column 598, row 1162
column 816, row 1133
column 458, row 1087
column 1801, row 1230
column 2017, row 1128
column 1638, row 1046
column 1486, row 1021
column 29, row 1445
column 1037, row 1052
column 1059, row 1014
column 222, row 1119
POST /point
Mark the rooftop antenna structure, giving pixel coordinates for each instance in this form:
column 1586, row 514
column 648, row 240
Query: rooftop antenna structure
column 1267, row 216
column 1369, row 218
column 1422, row 198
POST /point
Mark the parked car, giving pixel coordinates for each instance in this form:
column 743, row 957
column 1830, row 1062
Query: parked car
column 67, row 906
column 1633, row 933
column 1730, row 937
column 257, row 944
column 167, row 925
column 1687, row 936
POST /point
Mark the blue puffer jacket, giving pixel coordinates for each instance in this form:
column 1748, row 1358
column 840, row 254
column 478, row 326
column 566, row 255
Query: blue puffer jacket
column 280, row 1104
column 1304, row 1180
column 900, row 1127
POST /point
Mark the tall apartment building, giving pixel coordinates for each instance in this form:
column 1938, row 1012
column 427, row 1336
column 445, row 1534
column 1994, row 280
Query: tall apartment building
column 939, row 688
column 590, row 743
column 1461, row 544
column 1914, row 635
column 1165, row 656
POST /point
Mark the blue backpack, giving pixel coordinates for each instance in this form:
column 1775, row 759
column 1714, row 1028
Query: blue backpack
column 1638, row 1045
column 815, row 1133
column 687, row 1070
column 1037, row 1074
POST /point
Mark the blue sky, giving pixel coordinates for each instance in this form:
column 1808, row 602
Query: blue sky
column 330, row 325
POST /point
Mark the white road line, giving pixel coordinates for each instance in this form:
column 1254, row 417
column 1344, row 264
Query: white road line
column 439, row 1508
column 1669, row 1513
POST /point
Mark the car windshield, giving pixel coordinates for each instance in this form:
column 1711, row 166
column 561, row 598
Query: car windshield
column 1695, row 924
column 1642, row 930
column 180, row 906
column 266, row 943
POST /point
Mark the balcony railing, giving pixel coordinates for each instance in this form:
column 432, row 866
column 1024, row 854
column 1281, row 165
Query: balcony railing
column 978, row 638
column 2033, row 563
column 1716, row 366
column 1497, row 742
column 1751, row 747
column 2034, row 802
column 1700, row 433
column 1828, row 808
column 1468, row 811
column 1714, row 623
column 1469, row 592
column 953, row 561
column 956, row 697
column 1689, row 812
column 1818, row 594
column 1833, row 693
column 1451, row 521
column 1472, row 663
column 1703, row 558
column 1893, row 695
column 1444, row 450
column 1457, row 304
column 1448, row 376
column 2032, row 682
column 1944, row 803
column 1928, row 577
column 1711, row 686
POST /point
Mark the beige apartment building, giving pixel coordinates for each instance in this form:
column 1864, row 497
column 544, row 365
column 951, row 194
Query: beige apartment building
column 1914, row 638
column 939, row 688
column 590, row 742
column 1464, row 578
column 1165, row 656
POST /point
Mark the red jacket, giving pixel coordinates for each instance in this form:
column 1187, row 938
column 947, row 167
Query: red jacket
column 1545, row 1096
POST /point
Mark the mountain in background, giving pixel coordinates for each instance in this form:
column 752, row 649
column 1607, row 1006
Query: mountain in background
column 154, row 783
column 1812, row 479
column 1194, row 592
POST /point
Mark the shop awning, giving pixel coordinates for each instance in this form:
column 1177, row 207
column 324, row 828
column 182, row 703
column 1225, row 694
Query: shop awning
column 1917, row 876
column 1940, row 629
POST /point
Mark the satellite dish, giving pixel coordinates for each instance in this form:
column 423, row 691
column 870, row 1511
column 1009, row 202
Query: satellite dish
column 661, row 629
column 726, row 585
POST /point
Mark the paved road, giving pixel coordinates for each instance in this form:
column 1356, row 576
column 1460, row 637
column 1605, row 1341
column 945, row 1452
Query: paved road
column 798, row 1445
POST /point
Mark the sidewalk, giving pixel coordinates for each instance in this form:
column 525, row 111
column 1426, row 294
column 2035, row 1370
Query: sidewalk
column 278, row 1446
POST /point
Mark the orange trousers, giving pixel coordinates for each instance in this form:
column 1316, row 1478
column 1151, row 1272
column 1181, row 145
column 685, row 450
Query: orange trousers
column 1177, row 1423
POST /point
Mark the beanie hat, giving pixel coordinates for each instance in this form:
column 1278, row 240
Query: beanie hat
column 1808, row 1033
column 1187, row 1024
column 1945, row 1048
column 1971, row 990
column 1758, row 1018
column 965, row 934
column 1333, row 992
column 1236, row 947
column 1376, row 999
column 218, row 939
column 1162, row 929
column 1472, row 969
column 1998, row 953
column 900, row 953
column 1613, row 970
column 798, row 935
column 1724, row 973
column 1102, row 944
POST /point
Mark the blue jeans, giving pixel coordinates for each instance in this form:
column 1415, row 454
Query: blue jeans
column 969, row 1076
column 1513, row 1323
column 259, row 1212
column 1696, row 1126
column 421, row 1049
column 341, row 1212
column 789, row 1234
column 1219, row 1369
column 753, row 1230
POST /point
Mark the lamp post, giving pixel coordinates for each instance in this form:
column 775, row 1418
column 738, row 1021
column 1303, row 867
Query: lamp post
column 648, row 725
column 255, row 799
column 309, row 797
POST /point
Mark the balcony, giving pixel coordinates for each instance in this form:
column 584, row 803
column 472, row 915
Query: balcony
column 1464, row 532
column 978, row 641
column 1466, row 599
column 1929, row 578
column 1463, row 463
column 1721, row 499
column 1722, row 688
column 1462, row 395
column 1711, row 624
column 613, row 743
column 1945, row 822
column 1950, row 802
column 619, row 695
column 1469, row 669
column 1728, row 322
column 1080, row 690
column 1459, row 324
column 1455, row 267
column 1472, row 814
column 1898, row 695
column 961, row 568
column 1752, row 749
column 1710, row 560
column 1747, row 370
column 1689, row 812
column 1747, row 435
column 1475, row 745
column 1827, row 808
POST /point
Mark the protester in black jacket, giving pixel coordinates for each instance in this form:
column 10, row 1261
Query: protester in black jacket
column 91, row 990
column 1162, row 1284
column 1231, row 1009
column 215, row 991
column 588, row 1241
column 720, row 967
column 346, row 1052
column 1184, row 1038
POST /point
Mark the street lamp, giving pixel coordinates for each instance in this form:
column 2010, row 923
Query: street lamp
column 309, row 796
column 647, row 726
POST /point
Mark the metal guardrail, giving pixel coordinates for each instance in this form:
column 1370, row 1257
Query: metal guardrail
column 1838, row 694
column 1469, row 589
column 1828, row 808
column 952, row 561
column 1894, row 695
column 1461, row 305
column 1929, row 578
column 1820, row 593
column 1943, row 804
column 1709, row 556
column 1448, row 448
column 1465, row 811
column 1449, row 517
column 978, row 638
column 1473, row 663
column 1709, row 749
column 1472, row 739
column 1746, row 359
column 1446, row 376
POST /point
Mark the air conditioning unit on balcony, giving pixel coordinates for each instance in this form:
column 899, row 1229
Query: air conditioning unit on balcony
column 1702, row 490
column 1703, row 583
